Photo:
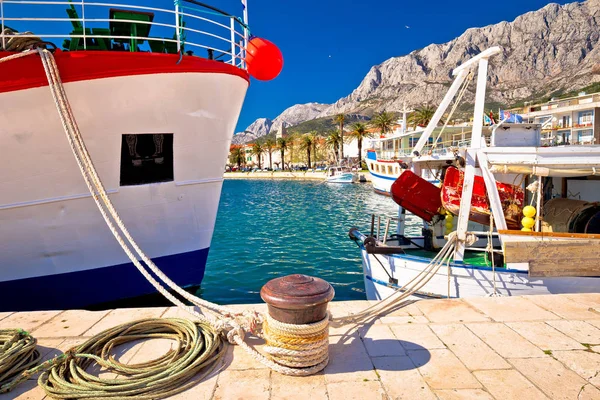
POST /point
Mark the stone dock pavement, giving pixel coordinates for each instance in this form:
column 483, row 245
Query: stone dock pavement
column 531, row 347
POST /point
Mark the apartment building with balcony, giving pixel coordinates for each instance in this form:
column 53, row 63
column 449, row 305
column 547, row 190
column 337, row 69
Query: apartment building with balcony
column 574, row 120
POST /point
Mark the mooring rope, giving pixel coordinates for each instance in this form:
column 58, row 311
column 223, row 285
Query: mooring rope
column 197, row 348
column 17, row 354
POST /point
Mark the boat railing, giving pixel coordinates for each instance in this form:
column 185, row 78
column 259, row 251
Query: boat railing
column 186, row 26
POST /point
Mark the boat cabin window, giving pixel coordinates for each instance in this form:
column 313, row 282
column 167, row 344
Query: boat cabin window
column 389, row 170
column 146, row 158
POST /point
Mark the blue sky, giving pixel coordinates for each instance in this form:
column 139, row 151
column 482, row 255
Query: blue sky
column 329, row 45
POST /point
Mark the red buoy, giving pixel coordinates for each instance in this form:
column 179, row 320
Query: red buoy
column 264, row 59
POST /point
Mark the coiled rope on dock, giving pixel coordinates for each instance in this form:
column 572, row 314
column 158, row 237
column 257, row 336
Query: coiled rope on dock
column 18, row 353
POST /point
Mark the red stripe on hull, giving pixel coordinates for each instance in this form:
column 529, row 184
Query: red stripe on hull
column 28, row 72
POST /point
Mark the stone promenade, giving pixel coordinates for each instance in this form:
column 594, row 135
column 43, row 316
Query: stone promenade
column 542, row 347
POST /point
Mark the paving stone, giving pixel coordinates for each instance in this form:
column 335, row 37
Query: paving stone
column 544, row 336
column 27, row 320
column 473, row 352
column 202, row 390
column 252, row 384
column 463, row 394
column 402, row 319
column 48, row 348
column 285, row 387
column 416, row 337
column 595, row 349
column 124, row 315
column 441, row 369
column 406, row 308
column 505, row 341
column 69, row 323
column 357, row 391
column 28, row 390
column 584, row 363
column 508, row 384
column 401, row 379
column 380, row 341
column 591, row 300
column 554, row 379
column 503, row 309
column 4, row 315
column 580, row 331
column 562, row 306
column 238, row 358
column 450, row 311
column 349, row 361
column 594, row 322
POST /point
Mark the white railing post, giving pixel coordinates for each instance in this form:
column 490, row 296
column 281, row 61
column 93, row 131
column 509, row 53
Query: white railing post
column 177, row 33
column 232, row 27
column 83, row 24
column 2, row 22
column 245, row 4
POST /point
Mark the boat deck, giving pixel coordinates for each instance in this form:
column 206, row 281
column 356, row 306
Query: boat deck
column 531, row 347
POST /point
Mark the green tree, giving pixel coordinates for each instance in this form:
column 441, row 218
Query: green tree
column 308, row 143
column 238, row 156
column 333, row 142
column 258, row 150
column 383, row 121
column 282, row 145
column 340, row 118
column 421, row 116
column 269, row 145
column 360, row 132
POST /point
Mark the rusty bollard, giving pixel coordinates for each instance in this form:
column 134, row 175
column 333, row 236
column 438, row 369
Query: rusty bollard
column 297, row 328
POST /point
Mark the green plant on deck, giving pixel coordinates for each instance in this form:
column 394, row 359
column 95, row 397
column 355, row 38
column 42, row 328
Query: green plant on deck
column 360, row 132
column 258, row 150
column 269, row 145
column 383, row 122
column 340, row 118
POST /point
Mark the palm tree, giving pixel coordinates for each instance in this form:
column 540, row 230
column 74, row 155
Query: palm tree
column 383, row 121
column 421, row 116
column 308, row 143
column 282, row 145
column 340, row 118
column 333, row 142
column 360, row 132
column 258, row 150
column 237, row 156
column 269, row 145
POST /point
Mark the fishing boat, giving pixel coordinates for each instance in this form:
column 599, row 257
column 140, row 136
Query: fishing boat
column 156, row 94
column 499, row 223
column 341, row 175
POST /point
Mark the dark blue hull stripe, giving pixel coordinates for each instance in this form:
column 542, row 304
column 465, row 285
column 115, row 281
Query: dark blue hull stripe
column 83, row 289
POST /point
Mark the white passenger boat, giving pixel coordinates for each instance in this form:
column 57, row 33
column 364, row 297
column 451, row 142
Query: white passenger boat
column 156, row 93
column 341, row 175
column 500, row 223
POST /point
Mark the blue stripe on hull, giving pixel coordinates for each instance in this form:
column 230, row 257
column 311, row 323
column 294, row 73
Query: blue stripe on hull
column 83, row 289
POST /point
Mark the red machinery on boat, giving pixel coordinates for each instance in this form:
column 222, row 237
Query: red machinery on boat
column 426, row 200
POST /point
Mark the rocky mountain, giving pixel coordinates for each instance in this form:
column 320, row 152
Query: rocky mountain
column 545, row 52
column 290, row 117
column 551, row 50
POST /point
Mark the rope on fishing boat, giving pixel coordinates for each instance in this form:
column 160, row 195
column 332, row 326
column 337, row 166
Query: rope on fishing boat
column 223, row 320
column 17, row 354
column 18, row 41
column 411, row 287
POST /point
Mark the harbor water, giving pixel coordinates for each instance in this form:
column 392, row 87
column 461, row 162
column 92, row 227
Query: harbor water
column 271, row 228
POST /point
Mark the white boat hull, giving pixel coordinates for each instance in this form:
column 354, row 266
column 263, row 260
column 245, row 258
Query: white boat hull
column 463, row 280
column 51, row 232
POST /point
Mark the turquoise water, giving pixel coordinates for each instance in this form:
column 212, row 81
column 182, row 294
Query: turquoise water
column 271, row 228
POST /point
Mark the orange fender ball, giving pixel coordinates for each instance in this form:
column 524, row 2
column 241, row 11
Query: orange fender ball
column 264, row 59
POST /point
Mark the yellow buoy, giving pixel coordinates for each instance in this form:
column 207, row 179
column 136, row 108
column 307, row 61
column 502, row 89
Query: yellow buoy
column 528, row 222
column 526, row 230
column 529, row 211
